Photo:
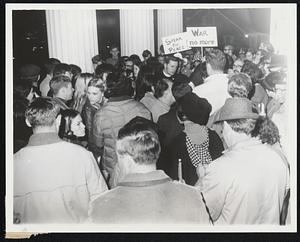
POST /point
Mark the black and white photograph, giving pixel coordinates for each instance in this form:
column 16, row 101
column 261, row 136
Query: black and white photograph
column 151, row 117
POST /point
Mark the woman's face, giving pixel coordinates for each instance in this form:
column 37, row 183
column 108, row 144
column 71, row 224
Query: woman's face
column 77, row 126
column 258, row 56
column 94, row 95
column 249, row 56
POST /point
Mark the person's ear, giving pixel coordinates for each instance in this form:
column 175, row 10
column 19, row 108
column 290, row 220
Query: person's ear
column 57, row 121
column 27, row 123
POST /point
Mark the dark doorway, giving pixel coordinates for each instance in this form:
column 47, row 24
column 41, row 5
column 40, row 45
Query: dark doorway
column 108, row 30
column 29, row 37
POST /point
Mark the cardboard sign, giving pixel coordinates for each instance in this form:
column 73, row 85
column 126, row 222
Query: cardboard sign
column 176, row 43
column 202, row 36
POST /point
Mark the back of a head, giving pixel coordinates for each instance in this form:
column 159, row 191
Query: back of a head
column 198, row 75
column 144, row 81
column 229, row 63
column 272, row 79
column 42, row 112
column 146, row 53
column 50, row 64
column 138, row 139
column 216, row 58
column 253, row 71
column 75, row 69
column 97, row 58
column 239, row 85
column 180, row 86
column 160, row 86
column 57, row 82
column 29, row 72
column 103, row 68
column 135, row 59
column 118, row 85
column 61, row 69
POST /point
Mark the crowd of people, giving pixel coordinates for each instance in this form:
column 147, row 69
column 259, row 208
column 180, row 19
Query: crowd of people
column 189, row 137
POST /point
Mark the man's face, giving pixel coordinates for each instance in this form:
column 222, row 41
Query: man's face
column 249, row 56
column 171, row 67
column 237, row 66
column 129, row 65
column 161, row 60
column 68, row 92
column 228, row 50
column 114, row 52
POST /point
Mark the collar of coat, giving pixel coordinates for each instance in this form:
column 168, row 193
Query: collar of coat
column 43, row 139
column 145, row 179
column 117, row 99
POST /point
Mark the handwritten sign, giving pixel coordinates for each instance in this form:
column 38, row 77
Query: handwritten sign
column 202, row 36
column 176, row 43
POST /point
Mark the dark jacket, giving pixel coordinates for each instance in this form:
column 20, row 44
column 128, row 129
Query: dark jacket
column 88, row 113
column 177, row 149
column 62, row 103
column 169, row 127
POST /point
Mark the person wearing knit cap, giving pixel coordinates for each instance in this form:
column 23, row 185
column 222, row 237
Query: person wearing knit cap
column 242, row 185
column 195, row 145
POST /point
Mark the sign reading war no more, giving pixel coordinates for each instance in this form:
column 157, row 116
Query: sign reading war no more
column 202, row 36
column 176, row 43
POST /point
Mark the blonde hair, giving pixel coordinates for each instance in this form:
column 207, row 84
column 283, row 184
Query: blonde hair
column 81, row 84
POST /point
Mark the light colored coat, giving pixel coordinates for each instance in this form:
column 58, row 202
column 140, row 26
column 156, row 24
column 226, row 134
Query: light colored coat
column 156, row 107
column 149, row 198
column 246, row 185
column 106, row 124
column 54, row 181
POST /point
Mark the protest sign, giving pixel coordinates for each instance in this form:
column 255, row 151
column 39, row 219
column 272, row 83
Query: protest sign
column 202, row 36
column 176, row 43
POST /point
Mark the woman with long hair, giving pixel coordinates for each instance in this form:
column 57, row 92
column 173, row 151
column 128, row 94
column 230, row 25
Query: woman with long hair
column 81, row 84
column 71, row 127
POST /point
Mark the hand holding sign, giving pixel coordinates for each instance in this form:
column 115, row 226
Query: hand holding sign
column 202, row 36
column 176, row 43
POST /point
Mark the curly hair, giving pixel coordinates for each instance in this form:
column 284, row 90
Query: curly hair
column 245, row 126
column 239, row 85
column 253, row 71
column 267, row 131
